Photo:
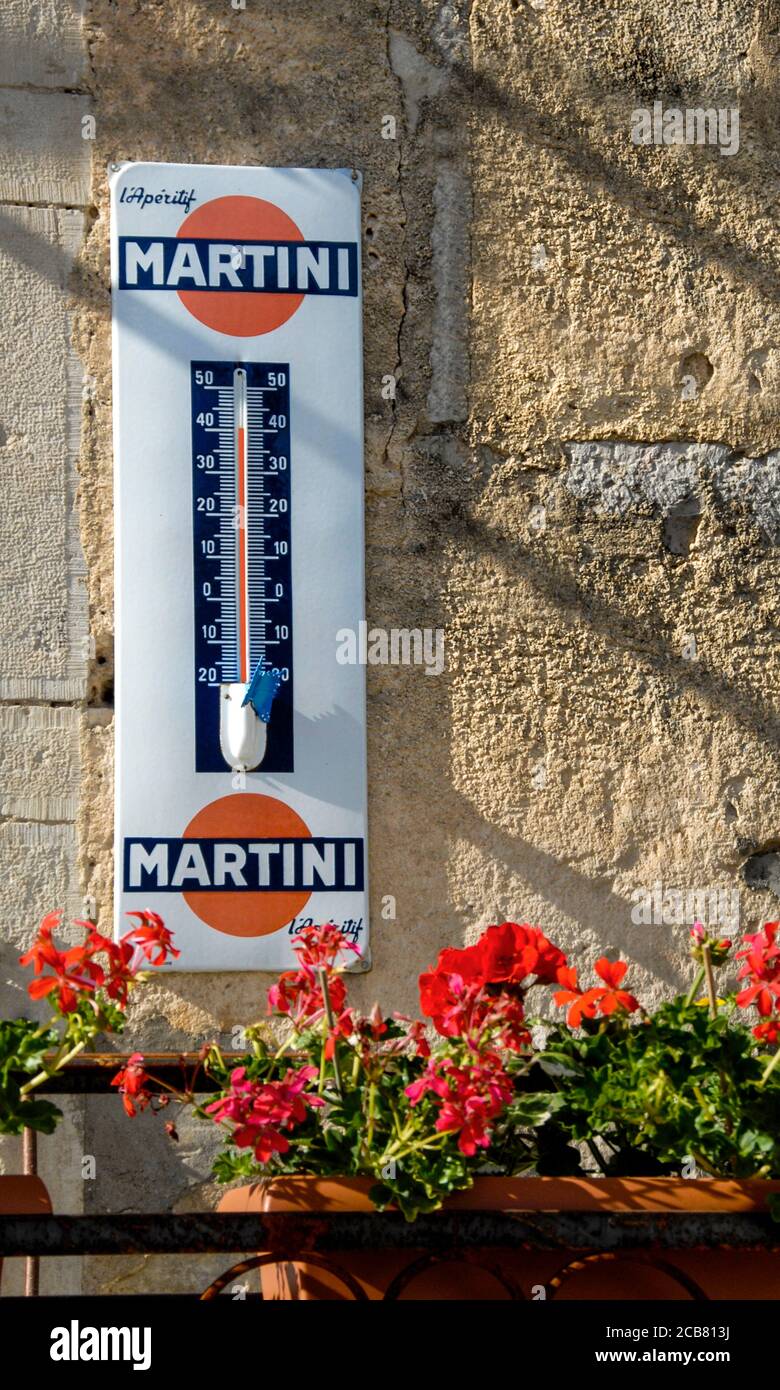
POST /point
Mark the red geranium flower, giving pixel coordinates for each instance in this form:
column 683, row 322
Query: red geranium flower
column 152, row 937
column 508, row 1012
column 613, row 997
column 515, row 951
column 445, row 998
column 120, row 968
column 416, row 1035
column 131, row 1081
column 344, row 1027
column 583, row 1003
column 762, row 941
column 472, row 1118
column 768, row 1030
column 587, row 1003
column 507, row 953
column 468, row 963
column 471, row 1098
column 761, row 966
column 261, row 1109
column 765, row 994
column 320, row 947
column 39, row 953
column 483, row 986
column 299, row 994
column 74, row 973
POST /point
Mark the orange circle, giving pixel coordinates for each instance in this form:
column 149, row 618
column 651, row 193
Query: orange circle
column 240, row 219
column 247, row 816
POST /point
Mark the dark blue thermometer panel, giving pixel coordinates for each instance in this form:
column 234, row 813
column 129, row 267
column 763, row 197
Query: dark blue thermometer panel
column 241, row 510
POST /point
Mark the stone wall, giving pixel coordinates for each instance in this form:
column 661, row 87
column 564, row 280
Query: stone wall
column 45, row 173
column 577, row 478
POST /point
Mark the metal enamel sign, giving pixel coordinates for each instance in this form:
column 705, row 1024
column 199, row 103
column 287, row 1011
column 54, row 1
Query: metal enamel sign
column 238, row 420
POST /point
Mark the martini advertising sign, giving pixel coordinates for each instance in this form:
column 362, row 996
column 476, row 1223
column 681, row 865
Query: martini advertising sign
column 241, row 779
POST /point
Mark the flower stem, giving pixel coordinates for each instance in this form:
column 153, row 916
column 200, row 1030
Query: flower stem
column 60, row 1061
column 694, row 989
column 393, row 1151
column 711, row 995
column 770, row 1068
column 330, row 1024
column 703, row 1164
column 371, row 1105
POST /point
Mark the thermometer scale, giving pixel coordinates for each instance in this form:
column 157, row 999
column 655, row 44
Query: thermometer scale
column 242, row 566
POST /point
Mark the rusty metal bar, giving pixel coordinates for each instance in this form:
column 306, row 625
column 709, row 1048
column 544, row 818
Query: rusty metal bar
column 32, row 1265
column 289, row 1232
column 92, row 1072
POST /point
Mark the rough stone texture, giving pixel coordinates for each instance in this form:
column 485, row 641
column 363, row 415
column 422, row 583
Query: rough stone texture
column 44, row 185
column 38, row 861
column 577, row 477
column 38, row 872
column 41, row 44
column 618, row 479
column 43, row 614
column 614, row 723
column 39, row 775
column 43, row 157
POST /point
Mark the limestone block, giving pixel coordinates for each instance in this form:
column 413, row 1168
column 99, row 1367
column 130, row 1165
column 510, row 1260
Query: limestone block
column 43, row 157
column 43, row 617
column 41, row 45
column 36, row 875
column 40, row 763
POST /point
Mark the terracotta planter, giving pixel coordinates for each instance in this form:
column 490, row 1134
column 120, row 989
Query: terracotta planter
column 708, row 1272
column 22, row 1196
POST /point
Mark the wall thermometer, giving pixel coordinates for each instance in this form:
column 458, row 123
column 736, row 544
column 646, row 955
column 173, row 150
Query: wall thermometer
column 241, row 776
column 242, row 525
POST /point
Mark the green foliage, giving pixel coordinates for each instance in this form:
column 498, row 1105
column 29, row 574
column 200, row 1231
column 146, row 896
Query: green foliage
column 423, row 1184
column 31, row 1052
column 233, row 1165
column 651, row 1094
column 23, row 1047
